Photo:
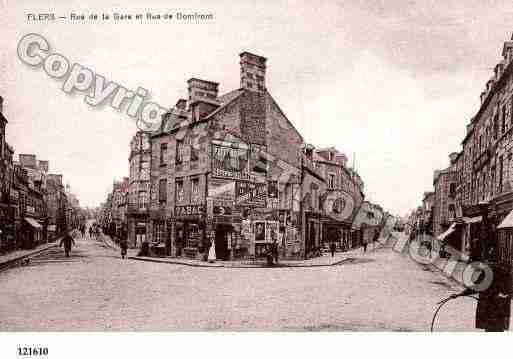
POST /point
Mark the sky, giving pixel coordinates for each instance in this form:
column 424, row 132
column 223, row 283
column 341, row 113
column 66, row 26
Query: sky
column 391, row 84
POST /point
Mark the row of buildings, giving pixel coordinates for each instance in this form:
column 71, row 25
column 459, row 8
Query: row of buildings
column 232, row 170
column 478, row 179
column 35, row 207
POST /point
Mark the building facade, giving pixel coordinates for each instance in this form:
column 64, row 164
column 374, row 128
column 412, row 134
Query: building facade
column 232, row 171
column 139, row 188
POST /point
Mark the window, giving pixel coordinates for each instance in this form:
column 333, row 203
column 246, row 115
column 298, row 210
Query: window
column 331, row 181
column 503, row 119
column 452, row 211
column 194, row 153
column 179, row 151
column 179, row 190
column 143, row 200
column 495, row 125
column 160, row 231
column 330, row 156
column 452, row 190
column 163, row 154
column 162, row 190
column 195, row 188
column 501, row 169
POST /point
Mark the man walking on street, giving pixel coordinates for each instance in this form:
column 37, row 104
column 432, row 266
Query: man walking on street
column 123, row 244
column 68, row 241
column 333, row 246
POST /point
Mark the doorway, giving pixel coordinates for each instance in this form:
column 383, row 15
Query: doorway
column 221, row 241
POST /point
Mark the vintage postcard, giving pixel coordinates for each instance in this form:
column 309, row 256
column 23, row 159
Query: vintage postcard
column 263, row 166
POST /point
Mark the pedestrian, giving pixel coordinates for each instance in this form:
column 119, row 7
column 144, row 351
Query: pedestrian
column 68, row 241
column 212, row 252
column 275, row 250
column 91, row 232
column 333, row 246
column 123, row 244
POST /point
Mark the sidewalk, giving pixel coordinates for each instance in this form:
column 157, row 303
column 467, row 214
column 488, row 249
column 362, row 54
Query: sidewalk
column 10, row 258
column 322, row 261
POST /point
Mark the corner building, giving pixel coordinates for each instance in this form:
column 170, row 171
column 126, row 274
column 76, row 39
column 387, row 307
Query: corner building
column 232, row 170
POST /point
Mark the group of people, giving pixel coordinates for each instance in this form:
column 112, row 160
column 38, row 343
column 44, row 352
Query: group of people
column 68, row 240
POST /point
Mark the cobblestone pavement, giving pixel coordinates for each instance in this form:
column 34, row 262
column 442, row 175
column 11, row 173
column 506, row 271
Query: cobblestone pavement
column 95, row 289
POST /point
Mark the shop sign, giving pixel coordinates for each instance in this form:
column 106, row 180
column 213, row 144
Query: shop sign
column 246, row 231
column 229, row 162
column 249, row 193
column 339, row 205
column 222, row 210
column 221, row 189
column 189, row 210
column 266, row 231
column 259, row 231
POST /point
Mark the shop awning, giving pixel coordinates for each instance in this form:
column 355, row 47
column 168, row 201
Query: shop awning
column 33, row 222
column 507, row 222
column 444, row 235
column 472, row 219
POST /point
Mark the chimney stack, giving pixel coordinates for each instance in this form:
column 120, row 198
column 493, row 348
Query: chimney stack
column 43, row 166
column 202, row 97
column 453, row 156
column 28, row 161
column 202, row 90
column 1, row 104
column 252, row 72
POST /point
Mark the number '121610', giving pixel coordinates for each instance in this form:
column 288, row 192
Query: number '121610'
column 32, row 351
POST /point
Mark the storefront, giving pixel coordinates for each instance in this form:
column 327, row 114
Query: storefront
column 189, row 231
column 335, row 231
column 6, row 228
column 137, row 229
column 32, row 233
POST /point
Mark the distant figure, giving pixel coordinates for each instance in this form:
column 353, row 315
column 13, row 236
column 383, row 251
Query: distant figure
column 333, row 246
column 212, row 252
column 274, row 250
column 68, row 241
column 123, row 244
column 91, row 232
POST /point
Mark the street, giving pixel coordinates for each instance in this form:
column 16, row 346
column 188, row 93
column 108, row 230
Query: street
column 95, row 290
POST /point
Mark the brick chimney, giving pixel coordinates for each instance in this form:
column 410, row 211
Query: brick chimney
column 452, row 157
column 43, row 166
column 202, row 97
column 499, row 68
column 181, row 104
column 28, row 161
column 507, row 51
column 1, row 104
column 202, row 90
column 252, row 72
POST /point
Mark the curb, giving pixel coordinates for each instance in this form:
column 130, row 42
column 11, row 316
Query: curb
column 148, row 259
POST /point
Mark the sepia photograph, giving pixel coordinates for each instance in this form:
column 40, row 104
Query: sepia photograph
column 269, row 167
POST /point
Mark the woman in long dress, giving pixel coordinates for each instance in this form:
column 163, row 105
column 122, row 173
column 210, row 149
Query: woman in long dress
column 212, row 252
